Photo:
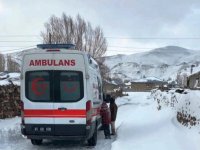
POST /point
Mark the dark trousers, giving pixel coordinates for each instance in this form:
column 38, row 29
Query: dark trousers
column 106, row 128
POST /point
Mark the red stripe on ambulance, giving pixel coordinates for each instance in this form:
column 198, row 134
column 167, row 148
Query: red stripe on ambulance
column 77, row 113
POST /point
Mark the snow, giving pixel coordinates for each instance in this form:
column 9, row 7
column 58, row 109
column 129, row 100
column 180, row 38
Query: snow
column 187, row 102
column 163, row 55
column 4, row 82
column 163, row 63
column 14, row 75
column 148, row 79
column 128, row 83
column 9, row 124
column 140, row 126
column 7, row 78
column 9, row 133
column 11, row 139
column 144, row 128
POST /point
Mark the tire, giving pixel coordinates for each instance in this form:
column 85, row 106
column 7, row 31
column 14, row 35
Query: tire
column 36, row 142
column 93, row 140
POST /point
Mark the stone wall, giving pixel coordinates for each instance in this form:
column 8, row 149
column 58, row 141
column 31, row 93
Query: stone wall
column 185, row 103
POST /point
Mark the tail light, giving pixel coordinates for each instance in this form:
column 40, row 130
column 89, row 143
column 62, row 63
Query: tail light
column 89, row 112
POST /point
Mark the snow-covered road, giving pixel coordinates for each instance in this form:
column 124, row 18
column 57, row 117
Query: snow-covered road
column 11, row 139
column 140, row 126
column 145, row 128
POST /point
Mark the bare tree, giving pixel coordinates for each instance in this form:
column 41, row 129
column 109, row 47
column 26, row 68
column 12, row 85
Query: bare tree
column 12, row 66
column 181, row 79
column 105, row 71
column 75, row 31
column 2, row 63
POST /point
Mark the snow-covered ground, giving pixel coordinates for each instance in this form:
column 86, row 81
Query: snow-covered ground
column 143, row 127
column 7, row 78
column 140, row 126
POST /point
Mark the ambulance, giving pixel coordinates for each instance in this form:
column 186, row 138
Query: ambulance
column 61, row 94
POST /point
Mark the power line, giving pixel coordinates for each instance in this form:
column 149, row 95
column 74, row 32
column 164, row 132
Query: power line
column 137, row 49
column 116, row 50
column 13, row 46
column 108, row 46
column 18, row 41
column 22, row 48
column 156, row 38
column 122, row 51
column 132, row 47
column 19, row 35
column 111, row 37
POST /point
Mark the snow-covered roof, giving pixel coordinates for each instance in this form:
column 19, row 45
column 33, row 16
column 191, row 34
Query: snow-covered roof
column 128, row 83
column 148, row 79
column 110, row 82
column 7, row 78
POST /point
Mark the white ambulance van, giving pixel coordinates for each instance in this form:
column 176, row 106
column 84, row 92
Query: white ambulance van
column 61, row 94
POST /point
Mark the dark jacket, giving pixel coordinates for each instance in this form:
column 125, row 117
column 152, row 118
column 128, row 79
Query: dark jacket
column 113, row 109
column 105, row 113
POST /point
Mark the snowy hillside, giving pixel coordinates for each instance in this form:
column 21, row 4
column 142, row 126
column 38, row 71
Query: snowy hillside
column 163, row 63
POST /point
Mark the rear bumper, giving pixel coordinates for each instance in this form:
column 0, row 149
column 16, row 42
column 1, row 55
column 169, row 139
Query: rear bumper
column 78, row 138
column 58, row 132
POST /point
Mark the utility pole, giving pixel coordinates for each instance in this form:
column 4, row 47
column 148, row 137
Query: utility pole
column 191, row 70
column 49, row 38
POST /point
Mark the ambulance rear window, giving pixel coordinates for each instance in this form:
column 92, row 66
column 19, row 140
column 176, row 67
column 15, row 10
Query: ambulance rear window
column 54, row 86
column 38, row 85
column 70, row 85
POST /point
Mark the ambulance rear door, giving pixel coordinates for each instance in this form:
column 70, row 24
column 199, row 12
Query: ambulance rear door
column 37, row 95
column 70, row 95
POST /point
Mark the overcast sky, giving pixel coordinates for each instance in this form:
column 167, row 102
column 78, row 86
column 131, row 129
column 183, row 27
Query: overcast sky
column 130, row 26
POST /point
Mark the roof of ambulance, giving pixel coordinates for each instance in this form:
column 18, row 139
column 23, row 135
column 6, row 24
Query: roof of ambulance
column 61, row 50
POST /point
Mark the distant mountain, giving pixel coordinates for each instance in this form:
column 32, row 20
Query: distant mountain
column 163, row 63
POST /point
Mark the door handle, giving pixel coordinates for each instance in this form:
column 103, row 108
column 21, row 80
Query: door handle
column 62, row 108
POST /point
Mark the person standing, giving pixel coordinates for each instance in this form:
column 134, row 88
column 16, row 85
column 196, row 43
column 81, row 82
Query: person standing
column 113, row 110
column 105, row 115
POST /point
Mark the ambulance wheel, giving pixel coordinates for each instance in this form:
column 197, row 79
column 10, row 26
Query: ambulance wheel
column 93, row 140
column 36, row 142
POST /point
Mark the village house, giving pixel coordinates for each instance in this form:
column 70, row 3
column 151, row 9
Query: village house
column 193, row 81
column 147, row 84
column 109, row 87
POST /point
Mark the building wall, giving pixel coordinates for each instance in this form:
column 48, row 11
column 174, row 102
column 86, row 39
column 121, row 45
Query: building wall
column 145, row 86
column 194, row 80
column 142, row 86
column 108, row 88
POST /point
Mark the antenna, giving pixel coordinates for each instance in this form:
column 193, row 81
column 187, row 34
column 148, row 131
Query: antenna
column 49, row 38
